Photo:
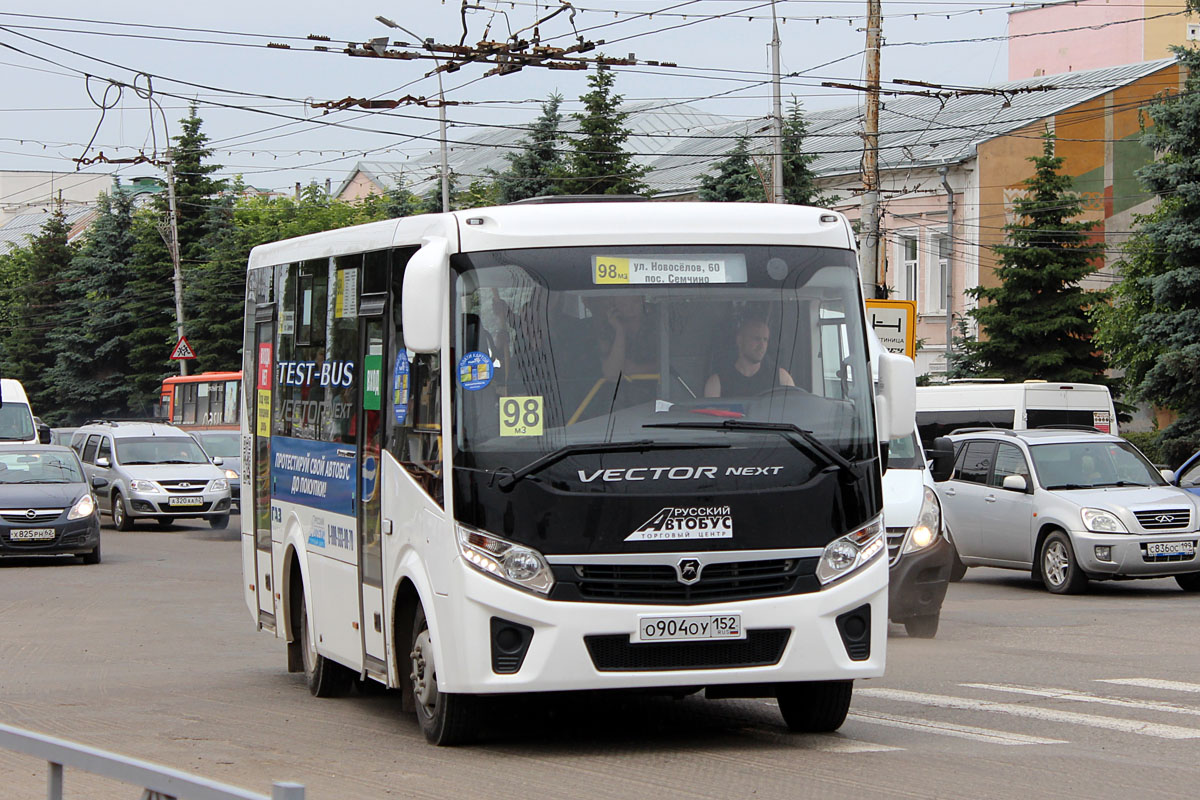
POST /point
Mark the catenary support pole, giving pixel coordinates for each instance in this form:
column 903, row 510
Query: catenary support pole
column 948, row 278
column 870, row 206
column 173, row 246
column 776, row 114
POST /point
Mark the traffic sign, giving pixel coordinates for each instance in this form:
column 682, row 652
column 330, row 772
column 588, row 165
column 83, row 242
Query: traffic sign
column 183, row 349
column 895, row 323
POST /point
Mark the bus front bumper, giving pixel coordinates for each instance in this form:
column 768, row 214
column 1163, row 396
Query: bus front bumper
column 578, row 646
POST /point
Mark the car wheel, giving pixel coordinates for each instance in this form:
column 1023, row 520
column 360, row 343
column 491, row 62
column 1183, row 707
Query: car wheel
column 923, row 627
column 814, row 706
column 121, row 520
column 220, row 523
column 1061, row 573
column 1189, row 582
column 445, row 719
column 165, row 522
column 92, row 557
column 325, row 678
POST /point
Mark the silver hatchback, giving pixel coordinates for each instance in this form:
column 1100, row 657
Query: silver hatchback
column 1069, row 505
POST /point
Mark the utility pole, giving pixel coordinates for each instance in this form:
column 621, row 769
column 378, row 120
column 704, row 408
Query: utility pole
column 870, row 204
column 441, row 107
column 776, row 114
column 172, row 238
column 948, row 279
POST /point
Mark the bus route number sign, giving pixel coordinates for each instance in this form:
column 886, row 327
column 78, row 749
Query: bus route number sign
column 521, row 416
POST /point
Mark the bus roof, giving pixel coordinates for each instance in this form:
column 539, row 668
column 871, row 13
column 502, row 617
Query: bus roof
column 578, row 224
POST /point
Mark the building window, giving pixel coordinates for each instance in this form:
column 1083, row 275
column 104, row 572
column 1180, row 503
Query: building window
column 906, row 280
column 1193, row 32
column 935, row 284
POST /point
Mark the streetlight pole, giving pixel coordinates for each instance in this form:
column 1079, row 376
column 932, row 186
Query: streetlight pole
column 441, row 109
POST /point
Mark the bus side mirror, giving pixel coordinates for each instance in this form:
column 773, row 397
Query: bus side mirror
column 895, row 397
column 942, row 456
column 426, row 277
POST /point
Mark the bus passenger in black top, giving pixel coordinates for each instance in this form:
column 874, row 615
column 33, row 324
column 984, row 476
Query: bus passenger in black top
column 748, row 375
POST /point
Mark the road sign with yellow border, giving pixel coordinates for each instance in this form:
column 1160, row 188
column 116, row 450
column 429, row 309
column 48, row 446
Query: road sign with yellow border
column 895, row 323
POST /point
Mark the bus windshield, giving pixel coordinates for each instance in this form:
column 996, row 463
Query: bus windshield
column 569, row 346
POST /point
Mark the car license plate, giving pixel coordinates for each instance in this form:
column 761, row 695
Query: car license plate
column 1170, row 549
column 689, row 628
column 30, row 534
column 185, row 501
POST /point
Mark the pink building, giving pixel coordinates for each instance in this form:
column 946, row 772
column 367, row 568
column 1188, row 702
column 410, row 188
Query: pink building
column 1077, row 35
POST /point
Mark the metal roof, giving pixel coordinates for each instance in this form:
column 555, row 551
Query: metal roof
column 23, row 227
column 680, row 144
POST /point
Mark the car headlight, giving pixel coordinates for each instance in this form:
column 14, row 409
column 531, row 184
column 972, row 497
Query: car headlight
column 84, row 507
column 1100, row 521
column 219, row 485
column 145, row 486
column 231, row 475
column 846, row 554
column 929, row 524
column 505, row 560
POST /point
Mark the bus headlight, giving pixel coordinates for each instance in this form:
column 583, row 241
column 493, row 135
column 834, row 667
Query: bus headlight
column 846, row 554
column 505, row 560
column 85, row 507
column 929, row 523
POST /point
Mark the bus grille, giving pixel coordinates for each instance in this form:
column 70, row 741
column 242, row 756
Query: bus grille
column 615, row 653
column 658, row 583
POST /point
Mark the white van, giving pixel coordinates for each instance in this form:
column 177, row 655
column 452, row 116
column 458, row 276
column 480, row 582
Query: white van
column 1013, row 406
column 16, row 420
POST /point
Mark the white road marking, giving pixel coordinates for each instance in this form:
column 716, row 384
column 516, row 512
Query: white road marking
column 1033, row 712
column 1152, row 683
column 1085, row 697
column 948, row 729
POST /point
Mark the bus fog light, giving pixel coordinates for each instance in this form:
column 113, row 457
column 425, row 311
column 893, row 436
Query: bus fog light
column 1103, row 552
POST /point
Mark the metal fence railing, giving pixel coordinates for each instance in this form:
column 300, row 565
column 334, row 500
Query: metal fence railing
column 159, row 783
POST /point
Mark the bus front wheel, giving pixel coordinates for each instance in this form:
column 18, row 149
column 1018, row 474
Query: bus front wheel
column 814, row 706
column 445, row 719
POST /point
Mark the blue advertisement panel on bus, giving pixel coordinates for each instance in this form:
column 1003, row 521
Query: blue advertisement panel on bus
column 316, row 474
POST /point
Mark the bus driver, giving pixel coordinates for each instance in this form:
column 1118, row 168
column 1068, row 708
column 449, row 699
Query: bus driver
column 747, row 375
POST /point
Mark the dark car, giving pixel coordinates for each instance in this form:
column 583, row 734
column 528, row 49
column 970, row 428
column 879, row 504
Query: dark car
column 226, row 445
column 46, row 505
column 1188, row 476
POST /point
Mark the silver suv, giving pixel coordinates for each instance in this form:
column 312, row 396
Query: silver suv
column 1069, row 505
column 142, row 470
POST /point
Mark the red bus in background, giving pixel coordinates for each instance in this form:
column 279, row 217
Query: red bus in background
column 207, row 400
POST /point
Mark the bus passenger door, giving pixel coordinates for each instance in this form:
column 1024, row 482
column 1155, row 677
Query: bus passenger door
column 370, row 442
column 265, row 337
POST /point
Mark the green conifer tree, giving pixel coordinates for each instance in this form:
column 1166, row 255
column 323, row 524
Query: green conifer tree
column 1036, row 322
column 598, row 162
column 737, row 178
column 537, row 168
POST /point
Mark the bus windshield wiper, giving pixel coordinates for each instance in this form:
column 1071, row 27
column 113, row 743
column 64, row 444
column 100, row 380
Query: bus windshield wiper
column 555, row 456
column 800, row 438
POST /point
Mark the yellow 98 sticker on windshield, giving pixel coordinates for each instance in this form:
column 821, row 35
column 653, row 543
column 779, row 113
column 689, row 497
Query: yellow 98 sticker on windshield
column 521, row 416
column 609, row 269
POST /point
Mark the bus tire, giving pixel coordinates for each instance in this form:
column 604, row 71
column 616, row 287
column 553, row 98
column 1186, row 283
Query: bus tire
column 325, row 678
column 121, row 518
column 814, row 706
column 445, row 719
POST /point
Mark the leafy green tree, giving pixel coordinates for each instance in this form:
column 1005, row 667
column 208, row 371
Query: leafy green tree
column 90, row 339
column 25, row 351
column 1036, row 320
column 598, row 162
column 537, row 168
column 1155, row 326
column 737, row 178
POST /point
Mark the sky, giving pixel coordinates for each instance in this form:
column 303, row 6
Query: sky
column 63, row 64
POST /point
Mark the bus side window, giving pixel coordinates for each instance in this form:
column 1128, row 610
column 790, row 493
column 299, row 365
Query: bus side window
column 417, row 441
